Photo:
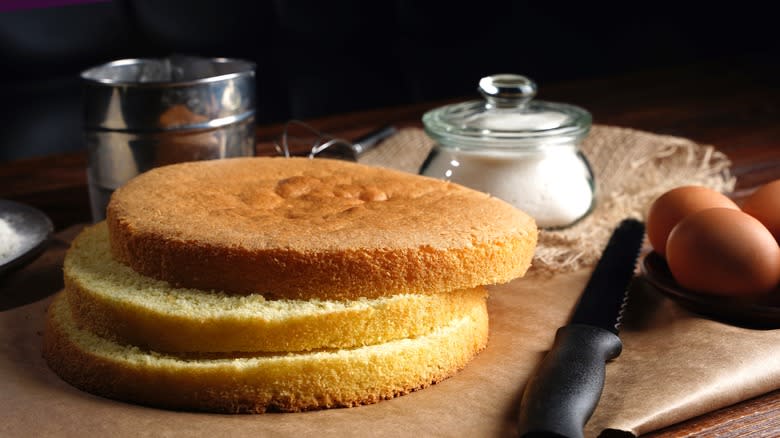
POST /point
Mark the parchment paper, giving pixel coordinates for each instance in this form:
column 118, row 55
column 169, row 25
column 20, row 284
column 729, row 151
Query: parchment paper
column 674, row 366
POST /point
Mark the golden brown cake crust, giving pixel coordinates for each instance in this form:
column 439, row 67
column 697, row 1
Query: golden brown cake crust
column 301, row 228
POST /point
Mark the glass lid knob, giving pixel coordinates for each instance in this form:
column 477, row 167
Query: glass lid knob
column 507, row 90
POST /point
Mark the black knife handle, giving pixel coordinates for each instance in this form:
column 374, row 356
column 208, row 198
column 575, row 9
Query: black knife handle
column 560, row 398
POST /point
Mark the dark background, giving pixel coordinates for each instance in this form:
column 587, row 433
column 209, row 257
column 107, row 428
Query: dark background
column 318, row 57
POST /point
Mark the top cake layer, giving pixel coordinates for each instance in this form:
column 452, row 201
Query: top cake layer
column 302, row 228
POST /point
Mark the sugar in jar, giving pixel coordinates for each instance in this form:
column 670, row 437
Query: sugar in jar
column 524, row 151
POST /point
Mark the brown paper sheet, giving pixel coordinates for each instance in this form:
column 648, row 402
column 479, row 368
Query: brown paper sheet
column 674, row 366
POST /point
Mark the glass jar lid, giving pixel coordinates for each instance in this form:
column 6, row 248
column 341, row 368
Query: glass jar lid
column 508, row 118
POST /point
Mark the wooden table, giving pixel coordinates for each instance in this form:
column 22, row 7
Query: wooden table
column 734, row 106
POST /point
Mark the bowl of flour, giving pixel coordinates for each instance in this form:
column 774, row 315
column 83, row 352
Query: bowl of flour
column 24, row 230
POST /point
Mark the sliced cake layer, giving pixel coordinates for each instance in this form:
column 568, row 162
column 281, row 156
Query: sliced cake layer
column 327, row 229
column 115, row 302
column 248, row 383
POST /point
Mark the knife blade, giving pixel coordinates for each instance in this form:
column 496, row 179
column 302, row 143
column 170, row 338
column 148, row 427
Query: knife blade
column 563, row 393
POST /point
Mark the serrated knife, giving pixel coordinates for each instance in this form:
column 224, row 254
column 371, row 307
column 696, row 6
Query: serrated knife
column 563, row 393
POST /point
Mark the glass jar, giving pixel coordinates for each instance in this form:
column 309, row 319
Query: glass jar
column 521, row 150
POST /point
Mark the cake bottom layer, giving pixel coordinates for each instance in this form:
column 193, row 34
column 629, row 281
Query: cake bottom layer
column 260, row 382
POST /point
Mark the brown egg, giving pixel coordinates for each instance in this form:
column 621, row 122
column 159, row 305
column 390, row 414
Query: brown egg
column 764, row 205
column 722, row 251
column 671, row 207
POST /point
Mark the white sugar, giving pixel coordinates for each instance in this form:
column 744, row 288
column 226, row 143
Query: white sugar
column 553, row 186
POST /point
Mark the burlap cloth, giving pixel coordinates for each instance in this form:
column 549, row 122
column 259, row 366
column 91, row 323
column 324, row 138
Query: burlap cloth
column 675, row 364
column 631, row 168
